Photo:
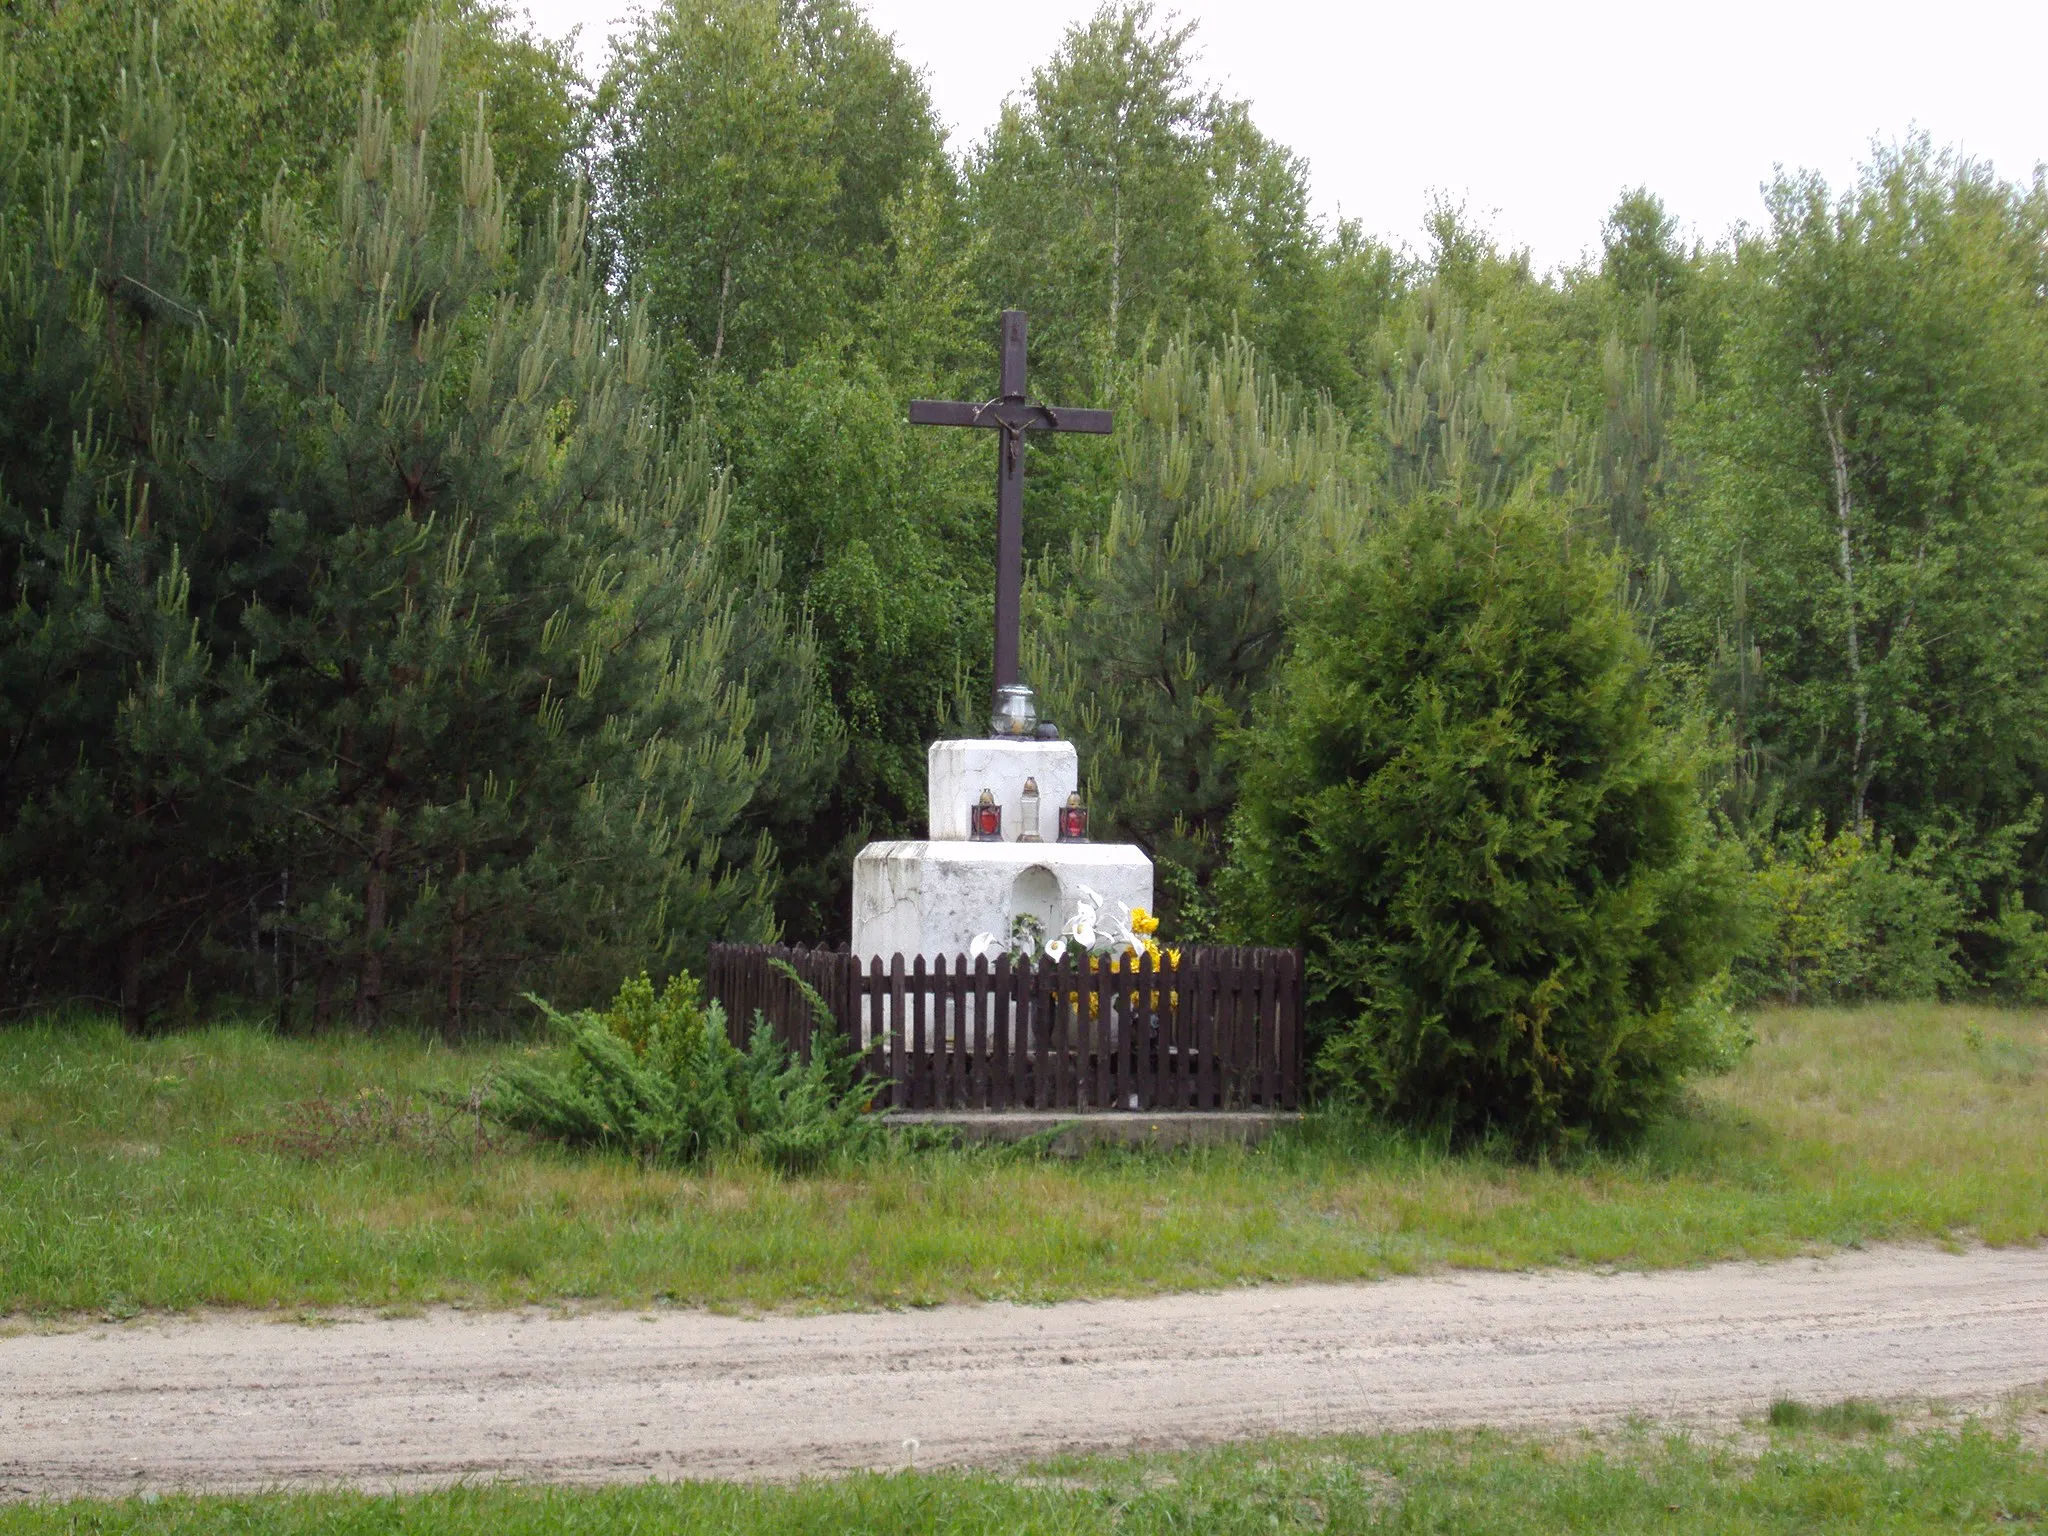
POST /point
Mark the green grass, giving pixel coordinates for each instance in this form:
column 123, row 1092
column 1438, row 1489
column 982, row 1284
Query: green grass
column 187, row 1170
column 1851, row 1416
column 1976, row 1477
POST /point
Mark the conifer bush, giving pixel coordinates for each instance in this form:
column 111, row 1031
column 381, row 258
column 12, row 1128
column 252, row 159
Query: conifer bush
column 1461, row 800
column 655, row 1075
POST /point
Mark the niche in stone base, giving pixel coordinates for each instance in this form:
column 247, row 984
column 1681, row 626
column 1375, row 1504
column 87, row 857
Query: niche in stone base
column 1035, row 893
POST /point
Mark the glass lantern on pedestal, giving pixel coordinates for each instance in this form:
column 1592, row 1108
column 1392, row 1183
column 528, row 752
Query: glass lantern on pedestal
column 985, row 819
column 1015, row 716
column 1073, row 818
column 1027, row 814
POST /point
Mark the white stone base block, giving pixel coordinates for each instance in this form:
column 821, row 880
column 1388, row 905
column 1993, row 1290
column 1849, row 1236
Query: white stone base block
column 956, row 772
column 932, row 898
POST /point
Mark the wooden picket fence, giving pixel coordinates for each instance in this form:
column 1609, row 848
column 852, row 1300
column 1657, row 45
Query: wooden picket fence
column 1222, row 1030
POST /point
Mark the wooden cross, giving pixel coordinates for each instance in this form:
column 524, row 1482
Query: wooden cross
column 1011, row 414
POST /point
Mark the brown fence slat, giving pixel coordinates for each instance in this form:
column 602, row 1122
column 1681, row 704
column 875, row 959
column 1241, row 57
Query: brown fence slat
column 1187, row 1051
column 875, row 1002
column 1073, row 1033
column 1147, row 1005
column 960, row 1067
column 978, row 1058
column 1024, row 1035
column 945, row 1031
column 1002, row 1085
column 920, row 1037
column 1084, row 1013
column 968, row 990
column 1110, row 1036
column 1208, row 1002
column 1153, row 1065
column 1253, row 1008
column 1278, row 971
column 1081, row 1027
column 1053, row 1030
column 1226, row 1023
column 1263, row 1020
column 1286, row 1053
column 1217, row 1043
column 1168, row 1087
column 1142, row 1085
column 899, row 1055
column 1046, row 1022
column 1038, row 988
column 1243, row 1017
column 1080, row 1033
column 956, row 1030
column 1247, row 1051
column 1013, row 1013
column 1180, row 1011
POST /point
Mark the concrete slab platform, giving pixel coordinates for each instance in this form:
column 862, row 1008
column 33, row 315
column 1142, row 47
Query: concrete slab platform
column 1075, row 1133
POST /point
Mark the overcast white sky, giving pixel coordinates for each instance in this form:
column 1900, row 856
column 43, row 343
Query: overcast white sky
column 1537, row 115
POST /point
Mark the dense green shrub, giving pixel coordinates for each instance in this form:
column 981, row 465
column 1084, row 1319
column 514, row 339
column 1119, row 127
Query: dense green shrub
column 1846, row 917
column 1461, row 800
column 655, row 1075
column 1849, row 917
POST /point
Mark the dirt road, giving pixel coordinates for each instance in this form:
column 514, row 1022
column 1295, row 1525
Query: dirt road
column 241, row 1401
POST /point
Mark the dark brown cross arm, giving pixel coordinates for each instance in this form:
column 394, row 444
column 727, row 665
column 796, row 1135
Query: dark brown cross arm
column 1012, row 414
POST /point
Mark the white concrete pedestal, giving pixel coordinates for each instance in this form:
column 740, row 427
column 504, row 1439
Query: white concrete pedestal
column 932, row 897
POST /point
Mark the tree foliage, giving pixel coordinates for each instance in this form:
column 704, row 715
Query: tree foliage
column 1861, row 548
column 403, row 634
column 418, row 590
column 268, row 91
column 752, row 149
column 1153, row 637
column 1460, row 800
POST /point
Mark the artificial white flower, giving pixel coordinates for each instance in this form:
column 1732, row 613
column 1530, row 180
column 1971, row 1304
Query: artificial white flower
column 980, row 945
column 1055, row 948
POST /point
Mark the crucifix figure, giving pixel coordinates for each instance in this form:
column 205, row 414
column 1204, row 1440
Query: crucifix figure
column 1012, row 415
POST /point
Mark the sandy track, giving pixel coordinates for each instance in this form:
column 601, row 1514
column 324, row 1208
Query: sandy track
column 240, row 1401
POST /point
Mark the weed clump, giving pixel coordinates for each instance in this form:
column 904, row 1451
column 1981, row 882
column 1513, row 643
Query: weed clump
column 322, row 1129
column 1851, row 1416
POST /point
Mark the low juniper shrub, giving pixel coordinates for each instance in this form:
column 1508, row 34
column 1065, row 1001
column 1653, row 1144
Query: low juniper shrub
column 655, row 1075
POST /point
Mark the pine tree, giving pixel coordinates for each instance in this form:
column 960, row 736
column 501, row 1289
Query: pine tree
column 1150, row 640
column 379, row 636
column 126, row 815
column 1448, row 418
column 494, row 601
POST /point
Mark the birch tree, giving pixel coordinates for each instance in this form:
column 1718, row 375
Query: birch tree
column 1874, row 469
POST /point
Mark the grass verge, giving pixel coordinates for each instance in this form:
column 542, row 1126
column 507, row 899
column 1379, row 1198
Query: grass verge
column 1976, row 1477
column 228, row 1167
